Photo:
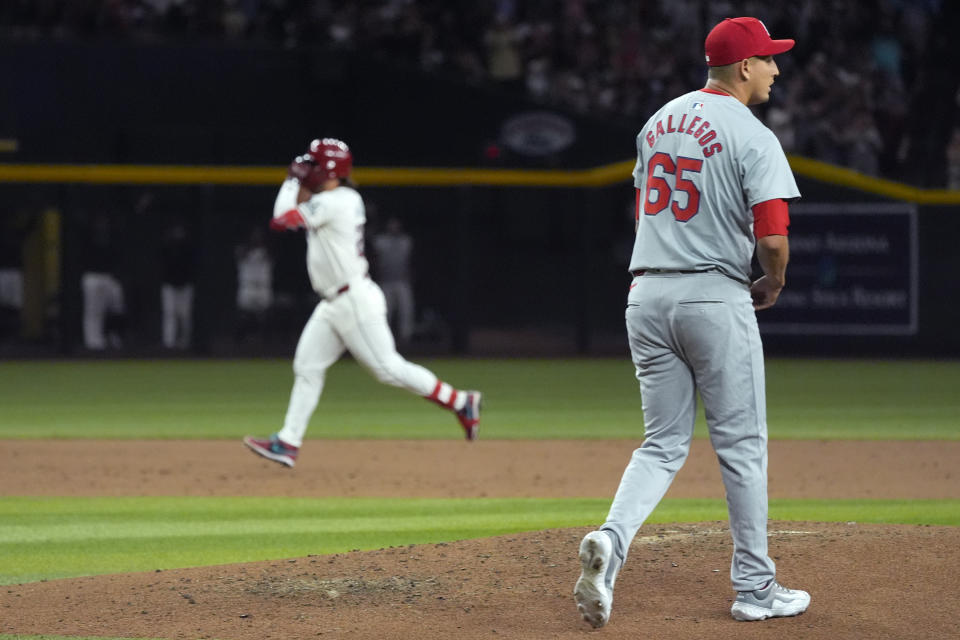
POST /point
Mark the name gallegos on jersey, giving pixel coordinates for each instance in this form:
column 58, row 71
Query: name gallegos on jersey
column 696, row 127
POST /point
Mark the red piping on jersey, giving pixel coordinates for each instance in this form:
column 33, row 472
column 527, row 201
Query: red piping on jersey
column 716, row 92
column 636, row 213
column 771, row 218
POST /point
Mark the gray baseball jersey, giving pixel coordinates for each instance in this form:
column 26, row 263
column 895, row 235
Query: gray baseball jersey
column 703, row 160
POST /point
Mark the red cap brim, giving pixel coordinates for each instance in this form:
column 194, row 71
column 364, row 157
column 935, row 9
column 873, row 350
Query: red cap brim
column 775, row 47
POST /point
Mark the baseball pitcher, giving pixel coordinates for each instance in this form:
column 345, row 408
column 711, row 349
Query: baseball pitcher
column 712, row 188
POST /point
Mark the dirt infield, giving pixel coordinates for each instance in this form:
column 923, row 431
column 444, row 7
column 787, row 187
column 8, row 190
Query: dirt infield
column 867, row 581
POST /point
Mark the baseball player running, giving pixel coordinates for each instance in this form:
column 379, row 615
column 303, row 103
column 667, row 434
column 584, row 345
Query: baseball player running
column 712, row 187
column 319, row 197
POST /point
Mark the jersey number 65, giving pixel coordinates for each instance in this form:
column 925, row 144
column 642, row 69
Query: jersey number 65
column 664, row 193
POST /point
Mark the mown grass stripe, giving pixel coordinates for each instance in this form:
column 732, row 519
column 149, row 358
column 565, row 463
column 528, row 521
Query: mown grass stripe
column 524, row 399
column 46, row 538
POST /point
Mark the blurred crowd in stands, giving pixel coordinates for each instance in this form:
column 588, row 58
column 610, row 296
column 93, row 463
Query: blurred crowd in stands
column 844, row 96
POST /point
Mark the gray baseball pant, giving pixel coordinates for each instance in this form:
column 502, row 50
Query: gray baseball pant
column 692, row 332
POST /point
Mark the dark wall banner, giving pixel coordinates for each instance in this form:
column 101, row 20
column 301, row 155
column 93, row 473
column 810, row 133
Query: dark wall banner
column 853, row 271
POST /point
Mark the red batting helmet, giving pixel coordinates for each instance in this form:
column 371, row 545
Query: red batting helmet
column 332, row 156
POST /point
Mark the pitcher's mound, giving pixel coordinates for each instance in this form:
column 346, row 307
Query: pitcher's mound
column 866, row 581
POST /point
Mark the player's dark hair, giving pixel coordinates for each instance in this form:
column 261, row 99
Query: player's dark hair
column 720, row 73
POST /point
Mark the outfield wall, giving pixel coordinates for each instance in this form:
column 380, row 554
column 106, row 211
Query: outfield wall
column 499, row 268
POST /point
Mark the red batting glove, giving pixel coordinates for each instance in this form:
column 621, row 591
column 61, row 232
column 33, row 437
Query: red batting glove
column 289, row 221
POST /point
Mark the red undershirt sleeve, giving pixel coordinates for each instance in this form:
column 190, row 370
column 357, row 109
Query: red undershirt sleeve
column 771, row 218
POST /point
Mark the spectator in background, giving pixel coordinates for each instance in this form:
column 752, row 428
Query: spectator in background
column 235, row 20
column 502, row 40
column 891, row 109
column 561, row 50
column 179, row 265
column 393, row 249
column 863, row 143
column 537, row 79
column 254, row 284
column 780, row 121
column 953, row 160
column 11, row 274
column 887, row 50
column 104, row 309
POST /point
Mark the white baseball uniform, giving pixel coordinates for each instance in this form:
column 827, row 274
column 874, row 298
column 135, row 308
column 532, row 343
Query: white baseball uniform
column 352, row 315
column 703, row 161
column 102, row 291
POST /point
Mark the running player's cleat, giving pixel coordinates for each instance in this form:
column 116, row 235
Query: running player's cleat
column 594, row 589
column 274, row 449
column 773, row 601
column 469, row 415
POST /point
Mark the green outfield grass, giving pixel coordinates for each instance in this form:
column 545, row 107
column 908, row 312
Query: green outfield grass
column 47, row 538
column 524, row 398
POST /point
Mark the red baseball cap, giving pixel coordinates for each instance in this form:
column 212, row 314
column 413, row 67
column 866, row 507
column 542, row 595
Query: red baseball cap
column 736, row 39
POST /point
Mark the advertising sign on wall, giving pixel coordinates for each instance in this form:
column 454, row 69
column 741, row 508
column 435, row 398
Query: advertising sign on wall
column 853, row 271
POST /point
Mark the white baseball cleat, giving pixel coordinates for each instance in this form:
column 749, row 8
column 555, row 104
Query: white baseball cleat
column 594, row 589
column 773, row 601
